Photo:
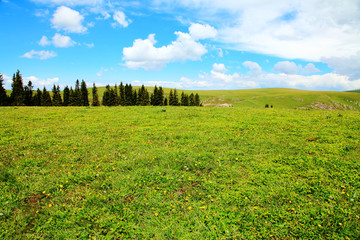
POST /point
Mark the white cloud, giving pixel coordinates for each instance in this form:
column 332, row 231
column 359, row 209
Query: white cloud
column 68, row 20
column 42, row 55
column 286, row 67
column 62, row 41
column 291, row 68
column 89, row 45
column 120, row 19
column 309, row 29
column 44, row 41
column 143, row 53
column 57, row 40
column 40, row 83
column 256, row 78
column 200, row 31
column 349, row 66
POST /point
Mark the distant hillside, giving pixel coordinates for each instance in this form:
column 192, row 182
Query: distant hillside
column 283, row 98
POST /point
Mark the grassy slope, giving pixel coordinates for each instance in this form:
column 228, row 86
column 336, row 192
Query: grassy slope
column 187, row 173
column 282, row 98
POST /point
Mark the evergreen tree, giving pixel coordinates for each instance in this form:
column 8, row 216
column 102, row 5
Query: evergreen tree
column 56, row 97
column 191, row 100
column 171, row 98
column 77, row 94
column 36, row 100
column 17, row 94
column 28, row 93
column 143, row 96
column 95, row 101
column 128, row 95
column 165, row 101
column 134, row 98
column 66, row 96
column 153, row 100
column 184, row 99
column 117, row 97
column 175, row 98
column 160, row 96
column 122, row 94
column 197, row 100
column 45, row 98
column 4, row 99
column 84, row 94
column 106, row 96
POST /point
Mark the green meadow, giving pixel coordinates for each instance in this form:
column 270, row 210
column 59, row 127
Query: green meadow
column 183, row 173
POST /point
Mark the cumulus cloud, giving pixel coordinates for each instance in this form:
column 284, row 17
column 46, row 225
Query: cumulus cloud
column 68, row 20
column 291, row 68
column 120, row 19
column 200, row 31
column 143, row 53
column 58, row 40
column 349, row 66
column 44, row 41
column 218, row 78
column 42, row 55
column 309, row 29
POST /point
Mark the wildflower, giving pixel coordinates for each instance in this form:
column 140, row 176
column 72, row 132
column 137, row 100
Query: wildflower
column 202, row 207
column 50, row 205
column 156, row 214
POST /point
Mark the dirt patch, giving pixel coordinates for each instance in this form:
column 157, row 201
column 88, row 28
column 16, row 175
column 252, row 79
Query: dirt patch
column 224, row 105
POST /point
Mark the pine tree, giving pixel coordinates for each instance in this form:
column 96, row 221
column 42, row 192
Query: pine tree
column 176, row 99
column 17, row 94
column 95, row 101
column 134, row 98
column 191, row 100
column 56, row 97
column 66, row 96
column 128, row 95
column 122, row 94
column 165, row 101
column 143, row 96
column 117, row 97
column 45, row 98
column 197, row 100
column 171, row 98
column 160, row 96
column 77, row 94
column 84, row 94
column 106, row 96
column 4, row 99
column 28, row 93
column 153, row 97
column 36, row 100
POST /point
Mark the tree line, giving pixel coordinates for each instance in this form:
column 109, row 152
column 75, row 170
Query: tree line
column 124, row 95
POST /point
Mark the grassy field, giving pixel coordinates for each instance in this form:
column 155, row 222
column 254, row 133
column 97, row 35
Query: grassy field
column 186, row 173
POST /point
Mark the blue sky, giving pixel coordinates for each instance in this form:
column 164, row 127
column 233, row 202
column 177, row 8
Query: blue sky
column 185, row 44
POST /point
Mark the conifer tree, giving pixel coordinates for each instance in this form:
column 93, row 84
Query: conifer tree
column 84, row 94
column 184, row 99
column 117, row 97
column 165, row 101
column 197, row 100
column 134, row 98
column 122, row 94
column 36, row 100
column 171, row 98
column 143, row 96
column 66, row 96
column 3, row 96
column 175, row 98
column 191, row 100
column 56, row 97
column 153, row 100
column 77, row 94
column 106, row 96
column 95, row 101
column 45, row 98
column 160, row 96
column 28, row 94
column 17, row 94
column 128, row 95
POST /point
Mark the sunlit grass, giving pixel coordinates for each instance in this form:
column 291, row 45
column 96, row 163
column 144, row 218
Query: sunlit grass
column 139, row 172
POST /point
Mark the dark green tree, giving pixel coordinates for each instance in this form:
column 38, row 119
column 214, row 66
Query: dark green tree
column 165, row 101
column 197, row 100
column 175, row 99
column 17, row 95
column 66, row 96
column 143, row 96
column 122, row 94
column 95, row 101
column 4, row 99
column 171, row 97
column 84, row 94
column 56, row 96
column 128, row 95
column 184, row 99
column 117, row 97
column 28, row 94
column 45, row 98
column 36, row 99
column 106, row 96
column 134, row 98
column 191, row 100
